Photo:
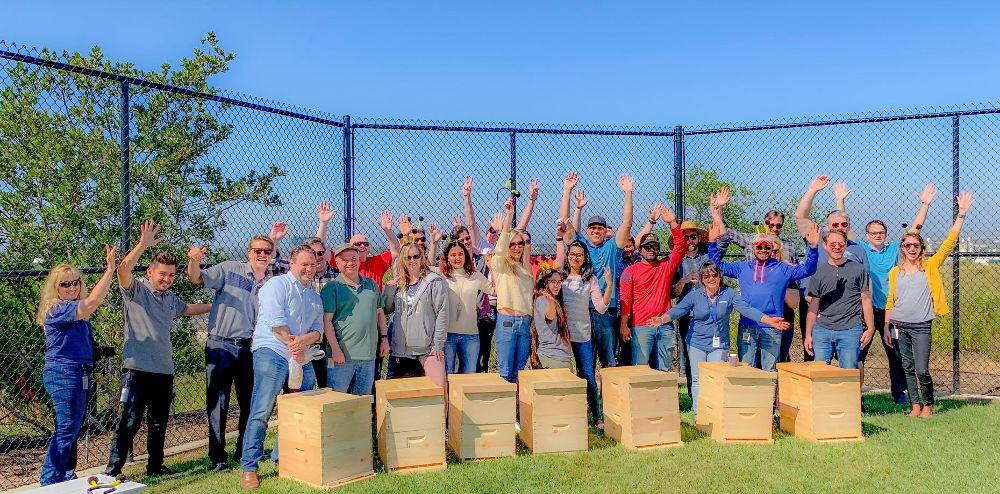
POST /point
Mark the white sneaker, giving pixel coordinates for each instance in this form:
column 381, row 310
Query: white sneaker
column 517, row 427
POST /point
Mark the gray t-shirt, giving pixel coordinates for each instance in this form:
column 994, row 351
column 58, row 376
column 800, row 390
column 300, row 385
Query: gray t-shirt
column 149, row 316
column 549, row 343
column 854, row 251
column 234, row 309
column 913, row 298
column 839, row 291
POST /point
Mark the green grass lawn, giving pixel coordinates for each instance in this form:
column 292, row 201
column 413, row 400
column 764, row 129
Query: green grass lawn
column 954, row 451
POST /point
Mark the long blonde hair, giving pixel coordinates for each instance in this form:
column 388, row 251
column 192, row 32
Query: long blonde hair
column 50, row 290
column 399, row 268
column 522, row 266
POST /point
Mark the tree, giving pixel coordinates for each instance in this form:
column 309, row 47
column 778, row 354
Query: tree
column 700, row 183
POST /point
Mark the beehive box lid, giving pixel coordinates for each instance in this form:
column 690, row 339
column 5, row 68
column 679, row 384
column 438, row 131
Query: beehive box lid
column 812, row 370
column 411, row 387
column 550, row 379
column 742, row 371
column 325, row 399
column 637, row 374
column 480, row 383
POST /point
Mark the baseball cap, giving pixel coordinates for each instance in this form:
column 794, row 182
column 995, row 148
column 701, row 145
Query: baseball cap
column 650, row 239
column 597, row 220
column 342, row 247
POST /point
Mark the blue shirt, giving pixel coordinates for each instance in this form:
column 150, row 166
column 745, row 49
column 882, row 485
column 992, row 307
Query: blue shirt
column 67, row 339
column 285, row 301
column 879, row 264
column 711, row 318
column 606, row 255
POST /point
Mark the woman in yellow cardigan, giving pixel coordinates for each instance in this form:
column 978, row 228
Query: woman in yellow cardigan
column 916, row 297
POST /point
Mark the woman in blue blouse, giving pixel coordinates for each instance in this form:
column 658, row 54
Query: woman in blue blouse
column 64, row 312
column 710, row 306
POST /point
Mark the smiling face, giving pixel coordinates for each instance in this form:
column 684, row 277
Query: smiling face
column 835, row 243
column 711, row 278
column 629, row 250
column 576, row 257
column 554, row 284
column 411, row 259
column 775, row 222
column 516, row 246
column 912, row 247
column 302, row 265
column 876, row 232
column 348, row 263
column 361, row 243
column 693, row 239
column 456, row 257
column 596, row 233
column 260, row 252
column 69, row 286
column 649, row 251
column 762, row 250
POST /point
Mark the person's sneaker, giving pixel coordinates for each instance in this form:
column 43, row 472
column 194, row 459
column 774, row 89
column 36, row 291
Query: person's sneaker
column 517, row 427
column 250, row 480
column 599, row 424
column 161, row 470
column 112, row 473
column 220, row 467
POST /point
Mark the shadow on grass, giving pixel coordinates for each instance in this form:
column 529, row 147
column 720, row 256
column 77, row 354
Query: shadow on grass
column 882, row 404
column 689, row 432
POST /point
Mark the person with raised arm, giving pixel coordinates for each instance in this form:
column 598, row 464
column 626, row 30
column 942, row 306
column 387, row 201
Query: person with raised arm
column 550, row 341
column 64, row 312
column 148, row 367
column 514, row 286
column 687, row 278
column 915, row 297
column 606, row 254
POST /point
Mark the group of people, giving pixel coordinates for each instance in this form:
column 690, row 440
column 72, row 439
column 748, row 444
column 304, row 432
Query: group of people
column 436, row 303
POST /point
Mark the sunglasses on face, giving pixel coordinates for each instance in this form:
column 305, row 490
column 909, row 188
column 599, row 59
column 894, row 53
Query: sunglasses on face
column 420, row 240
column 843, row 224
column 258, row 251
column 910, row 245
column 836, row 245
column 517, row 244
column 692, row 237
column 361, row 244
column 650, row 247
column 776, row 226
column 319, row 253
column 69, row 284
column 413, row 257
column 763, row 248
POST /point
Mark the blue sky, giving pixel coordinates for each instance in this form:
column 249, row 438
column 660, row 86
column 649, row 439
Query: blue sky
column 652, row 63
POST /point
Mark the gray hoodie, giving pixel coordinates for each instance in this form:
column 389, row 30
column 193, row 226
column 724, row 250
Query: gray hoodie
column 421, row 322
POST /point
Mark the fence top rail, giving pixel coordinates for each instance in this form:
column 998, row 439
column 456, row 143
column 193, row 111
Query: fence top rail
column 20, row 57
column 512, row 129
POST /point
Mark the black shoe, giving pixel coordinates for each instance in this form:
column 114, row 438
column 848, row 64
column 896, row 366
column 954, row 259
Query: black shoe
column 112, row 473
column 161, row 470
column 220, row 467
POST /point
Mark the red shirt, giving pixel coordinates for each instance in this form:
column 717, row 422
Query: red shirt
column 645, row 287
column 375, row 267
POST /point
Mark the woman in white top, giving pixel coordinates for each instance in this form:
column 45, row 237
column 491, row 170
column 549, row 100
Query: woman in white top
column 465, row 284
column 580, row 290
column 515, row 286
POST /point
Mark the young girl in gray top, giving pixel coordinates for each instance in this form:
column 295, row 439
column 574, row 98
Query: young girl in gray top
column 550, row 345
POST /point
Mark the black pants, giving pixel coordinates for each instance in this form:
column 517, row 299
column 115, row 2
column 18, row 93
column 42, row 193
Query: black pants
column 915, row 353
column 803, row 312
column 226, row 363
column 897, row 380
column 143, row 393
column 486, row 329
column 683, row 364
column 405, row 367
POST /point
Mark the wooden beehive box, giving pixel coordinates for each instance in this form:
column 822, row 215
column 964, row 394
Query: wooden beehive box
column 820, row 402
column 641, row 408
column 324, row 437
column 735, row 403
column 409, row 421
column 481, row 413
column 553, row 404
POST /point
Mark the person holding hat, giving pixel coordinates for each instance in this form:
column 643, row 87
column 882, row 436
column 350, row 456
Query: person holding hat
column 606, row 254
column 645, row 293
column 354, row 324
column 688, row 278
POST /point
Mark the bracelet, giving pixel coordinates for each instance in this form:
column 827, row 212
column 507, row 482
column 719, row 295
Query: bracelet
column 559, row 239
column 961, row 215
column 385, row 336
column 652, row 221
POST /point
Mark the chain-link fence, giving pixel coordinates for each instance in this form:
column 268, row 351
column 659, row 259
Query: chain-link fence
column 89, row 149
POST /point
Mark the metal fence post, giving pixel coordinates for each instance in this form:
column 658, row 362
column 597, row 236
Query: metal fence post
column 348, row 178
column 513, row 172
column 679, row 172
column 956, row 275
column 125, row 172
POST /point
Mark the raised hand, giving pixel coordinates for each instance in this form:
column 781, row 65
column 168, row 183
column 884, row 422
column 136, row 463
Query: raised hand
column 666, row 214
column 715, row 231
column 561, row 227
column 720, row 199
column 928, row 194
column 819, row 183
column 497, row 223
column 964, row 201
column 385, row 221
column 110, row 258
column 148, row 232
column 533, row 189
column 581, row 199
column 278, row 231
column 324, row 212
column 467, row 187
column 508, row 205
column 626, row 183
column 812, row 236
column 436, row 233
column 570, row 181
column 404, row 224
column 196, row 254
column 840, row 191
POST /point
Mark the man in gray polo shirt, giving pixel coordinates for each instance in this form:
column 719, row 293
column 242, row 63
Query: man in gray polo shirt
column 228, row 357
column 148, row 367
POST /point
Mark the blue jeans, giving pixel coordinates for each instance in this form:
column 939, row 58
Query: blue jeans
column 513, row 342
column 695, row 357
column 583, row 353
column 461, row 352
column 846, row 343
column 270, row 376
column 649, row 339
column 353, row 376
column 605, row 330
column 67, row 385
column 766, row 340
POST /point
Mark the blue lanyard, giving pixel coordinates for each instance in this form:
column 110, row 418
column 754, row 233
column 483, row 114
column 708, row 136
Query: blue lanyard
column 713, row 307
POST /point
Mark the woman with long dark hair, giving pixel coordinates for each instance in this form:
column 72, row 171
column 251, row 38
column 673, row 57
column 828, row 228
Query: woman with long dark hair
column 550, row 342
column 465, row 284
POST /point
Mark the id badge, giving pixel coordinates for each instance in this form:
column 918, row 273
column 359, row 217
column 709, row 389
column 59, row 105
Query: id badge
column 895, row 332
column 746, row 337
column 86, row 383
column 716, row 342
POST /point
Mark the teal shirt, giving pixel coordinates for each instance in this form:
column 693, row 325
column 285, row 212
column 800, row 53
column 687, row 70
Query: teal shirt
column 355, row 316
column 879, row 264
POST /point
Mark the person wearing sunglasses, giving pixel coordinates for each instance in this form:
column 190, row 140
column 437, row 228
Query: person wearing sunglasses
column 515, row 285
column 916, row 296
column 645, row 293
column 605, row 253
column 687, row 278
column 64, row 311
column 710, row 304
column 882, row 257
column 763, row 282
column 231, row 321
column 147, row 380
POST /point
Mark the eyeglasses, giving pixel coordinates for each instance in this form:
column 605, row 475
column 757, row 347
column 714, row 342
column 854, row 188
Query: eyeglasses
column 414, row 257
column 692, row 237
column 361, row 244
column 763, row 248
column 879, row 233
column 491, row 231
column 576, row 254
column 844, row 224
column 709, row 276
column 836, row 245
column 258, row 251
column 68, row 284
column 776, row 226
column 555, row 281
column 650, row 246
column 910, row 245
column 419, row 240
column 517, row 244
column 319, row 253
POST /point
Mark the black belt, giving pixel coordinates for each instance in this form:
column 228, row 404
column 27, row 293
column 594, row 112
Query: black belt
column 235, row 341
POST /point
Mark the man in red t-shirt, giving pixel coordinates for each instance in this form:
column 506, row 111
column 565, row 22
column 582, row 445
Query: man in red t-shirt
column 645, row 293
column 375, row 267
